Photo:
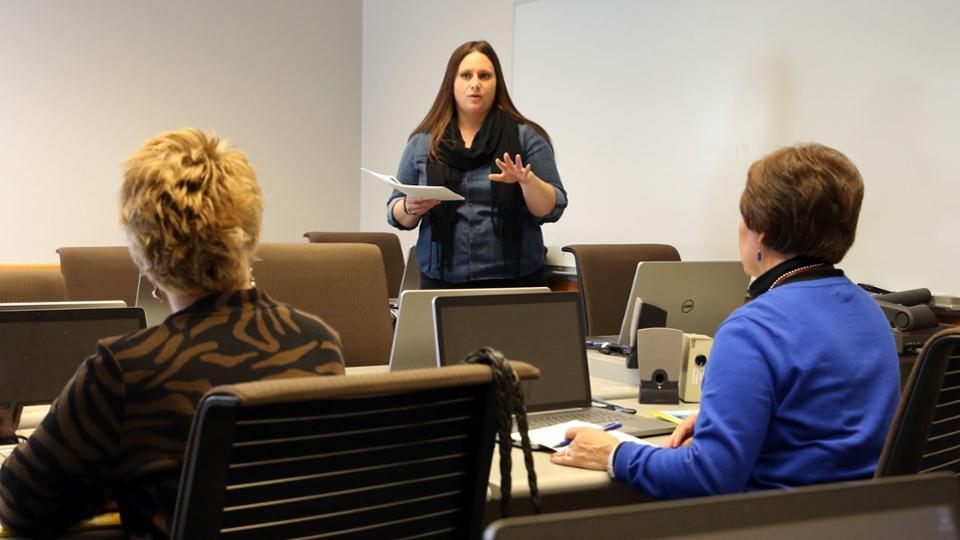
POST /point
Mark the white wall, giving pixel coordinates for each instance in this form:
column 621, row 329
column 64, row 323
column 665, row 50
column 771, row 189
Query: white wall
column 406, row 46
column 658, row 108
column 82, row 84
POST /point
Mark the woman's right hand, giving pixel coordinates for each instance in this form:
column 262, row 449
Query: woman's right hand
column 417, row 206
column 408, row 210
column 683, row 434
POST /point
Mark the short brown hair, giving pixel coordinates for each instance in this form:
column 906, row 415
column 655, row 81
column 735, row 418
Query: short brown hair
column 806, row 200
column 191, row 208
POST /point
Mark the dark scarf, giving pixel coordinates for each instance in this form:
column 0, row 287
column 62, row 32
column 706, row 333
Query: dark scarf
column 797, row 264
column 498, row 134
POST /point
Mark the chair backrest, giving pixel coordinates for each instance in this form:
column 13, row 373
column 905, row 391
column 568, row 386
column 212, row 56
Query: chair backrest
column 99, row 273
column 388, row 243
column 343, row 284
column 23, row 285
column 385, row 455
column 925, row 433
column 605, row 273
column 925, row 506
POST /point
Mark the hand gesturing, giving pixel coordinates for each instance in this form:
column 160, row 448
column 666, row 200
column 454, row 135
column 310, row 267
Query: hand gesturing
column 511, row 171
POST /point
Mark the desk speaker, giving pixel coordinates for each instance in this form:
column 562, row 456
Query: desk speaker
column 659, row 360
column 696, row 350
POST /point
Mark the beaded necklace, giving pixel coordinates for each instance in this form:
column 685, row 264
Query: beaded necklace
column 794, row 272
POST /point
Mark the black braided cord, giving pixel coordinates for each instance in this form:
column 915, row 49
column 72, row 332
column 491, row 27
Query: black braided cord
column 510, row 403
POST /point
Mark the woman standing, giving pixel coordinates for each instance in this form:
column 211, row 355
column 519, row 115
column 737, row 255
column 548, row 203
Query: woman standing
column 475, row 142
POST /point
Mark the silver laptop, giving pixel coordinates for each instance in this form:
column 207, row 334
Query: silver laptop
column 697, row 295
column 545, row 330
column 90, row 304
column 155, row 310
column 413, row 339
column 411, row 272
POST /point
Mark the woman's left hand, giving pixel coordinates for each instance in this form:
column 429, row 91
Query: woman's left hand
column 512, row 171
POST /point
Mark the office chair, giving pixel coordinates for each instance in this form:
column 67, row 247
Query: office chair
column 343, row 284
column 99, row 273
column 32, row 286
column 925, row 506
column 388, row 243
column 605, row 273
column 925, row 433
column 402, row 454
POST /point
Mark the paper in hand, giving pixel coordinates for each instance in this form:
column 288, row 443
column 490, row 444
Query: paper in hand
column 438, row 193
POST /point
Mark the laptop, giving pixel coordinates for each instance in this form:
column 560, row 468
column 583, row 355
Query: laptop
column 414, row 344
column 545, row 330
column 920, row 506
column 155, row 310
column 411, row 272
column 91, row 304
column 41, row 349
column 697, row 295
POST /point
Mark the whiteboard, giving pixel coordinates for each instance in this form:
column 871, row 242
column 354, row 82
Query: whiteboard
column 658, row 108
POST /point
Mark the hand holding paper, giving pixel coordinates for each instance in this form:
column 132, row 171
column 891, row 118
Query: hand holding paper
column 438, row 193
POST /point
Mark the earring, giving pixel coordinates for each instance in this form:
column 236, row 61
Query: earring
column 253, row 280
column 156, row 294
column 759, row 256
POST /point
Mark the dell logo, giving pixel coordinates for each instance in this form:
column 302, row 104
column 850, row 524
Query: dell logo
column 686, row 306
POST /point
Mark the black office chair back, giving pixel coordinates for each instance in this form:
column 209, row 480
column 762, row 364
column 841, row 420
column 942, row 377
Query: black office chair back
column 926, row 506
column 925, row 433
column 605, row 273
column 373, row 464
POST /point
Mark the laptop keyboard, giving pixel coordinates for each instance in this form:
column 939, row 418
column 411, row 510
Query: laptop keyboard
column 595, row 416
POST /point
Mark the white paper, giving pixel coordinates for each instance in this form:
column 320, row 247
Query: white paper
column 552, row 437
column 438, row 193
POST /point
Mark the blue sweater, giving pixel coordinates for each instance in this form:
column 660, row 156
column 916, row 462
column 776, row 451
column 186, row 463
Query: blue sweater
column 800, row 388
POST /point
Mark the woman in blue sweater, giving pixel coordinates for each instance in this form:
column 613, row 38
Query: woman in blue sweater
column 803, row 380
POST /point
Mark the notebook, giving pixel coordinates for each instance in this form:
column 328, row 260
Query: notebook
column 413, row 339
column 545, row 330
column 155, row 310
column 41, row 349
column 697, row 295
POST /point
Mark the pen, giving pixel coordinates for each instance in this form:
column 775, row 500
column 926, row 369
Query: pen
column 609, row 427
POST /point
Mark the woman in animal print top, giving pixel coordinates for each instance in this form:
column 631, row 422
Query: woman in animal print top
column 191, row 208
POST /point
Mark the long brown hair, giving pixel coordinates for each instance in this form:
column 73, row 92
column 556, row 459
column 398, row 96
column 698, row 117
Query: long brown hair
column 440, row 113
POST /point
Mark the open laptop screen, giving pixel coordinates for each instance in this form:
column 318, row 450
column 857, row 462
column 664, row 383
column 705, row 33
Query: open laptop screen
column 40, row 350
column 545, row 330
column 697, row 295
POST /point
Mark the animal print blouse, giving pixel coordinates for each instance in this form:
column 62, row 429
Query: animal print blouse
column 119, row 428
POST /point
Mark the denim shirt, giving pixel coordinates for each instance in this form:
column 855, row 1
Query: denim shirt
column 477, row 252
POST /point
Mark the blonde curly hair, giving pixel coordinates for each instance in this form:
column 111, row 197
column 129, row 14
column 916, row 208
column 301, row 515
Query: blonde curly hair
column 191, row 209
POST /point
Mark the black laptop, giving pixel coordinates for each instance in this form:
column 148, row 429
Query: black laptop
column 40, row 350
column 545, row 330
